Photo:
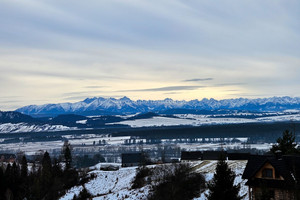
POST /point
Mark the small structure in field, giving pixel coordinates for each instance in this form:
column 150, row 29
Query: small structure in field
column 238, row 156
column 187, row 156
column 132, row 159
column 213, row 155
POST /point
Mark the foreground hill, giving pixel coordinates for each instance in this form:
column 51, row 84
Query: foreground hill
column 112, row 106
column 116, row 185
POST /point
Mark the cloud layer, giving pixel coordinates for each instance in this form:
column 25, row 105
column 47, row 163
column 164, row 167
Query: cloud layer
column 52, row 51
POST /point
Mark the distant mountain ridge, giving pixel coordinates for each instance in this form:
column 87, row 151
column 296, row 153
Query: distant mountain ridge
column 106, row 106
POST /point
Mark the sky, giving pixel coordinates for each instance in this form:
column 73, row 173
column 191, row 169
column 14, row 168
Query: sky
column 65, row 51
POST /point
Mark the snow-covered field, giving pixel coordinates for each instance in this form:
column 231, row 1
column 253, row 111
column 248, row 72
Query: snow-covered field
column 32, row 147
column 199, row 120
column 23, row 127
column 158, row 121
column 184, row 121
column 116, row 185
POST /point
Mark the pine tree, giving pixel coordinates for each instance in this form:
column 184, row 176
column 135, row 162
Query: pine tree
column 286, row 144
column 24, row 178
column 67, row 155
column 24, row 168
column 222, row 185
column 14, row 181
column 46, row 174
column 2, row 184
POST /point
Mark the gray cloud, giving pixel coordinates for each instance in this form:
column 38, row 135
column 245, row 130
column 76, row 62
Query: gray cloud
column 228, row 84
column 81, row 93
column 198, row 79
column 80, row 98
column 66, row 46
column 172, row 93
column 162, row 89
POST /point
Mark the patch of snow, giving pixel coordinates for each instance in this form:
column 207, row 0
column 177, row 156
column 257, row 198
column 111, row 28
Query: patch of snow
column 81, row 121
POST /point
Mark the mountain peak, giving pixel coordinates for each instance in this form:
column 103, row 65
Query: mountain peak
column 125, row 105
column 125, row 99
column 89, row 100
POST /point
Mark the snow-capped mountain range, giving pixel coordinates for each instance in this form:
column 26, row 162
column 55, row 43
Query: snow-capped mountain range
column 92, row 106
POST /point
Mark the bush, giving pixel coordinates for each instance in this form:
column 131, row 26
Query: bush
column 180, row 184
column 142, row 173
column 83, row 195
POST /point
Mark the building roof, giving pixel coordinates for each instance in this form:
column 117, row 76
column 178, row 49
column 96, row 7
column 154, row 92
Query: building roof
column 238, row 156
column 213, row 155
column 191, row 155
column 287, row 166
column 131, row 157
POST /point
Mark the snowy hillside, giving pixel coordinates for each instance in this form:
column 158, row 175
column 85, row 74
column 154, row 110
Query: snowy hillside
column 126, row 106
column 24, row 127
column 116, row 185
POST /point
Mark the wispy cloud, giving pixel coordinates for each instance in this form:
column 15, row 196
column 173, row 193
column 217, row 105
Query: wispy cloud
column 198, row 79
column 94, row 86
column 74, row 47
column 163, row 89
column 228, row 84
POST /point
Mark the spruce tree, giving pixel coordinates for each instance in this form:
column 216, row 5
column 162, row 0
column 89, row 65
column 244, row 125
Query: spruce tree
column 24, row 178
column 24, row 168
column 286, row 144
column 2, row 183
column 14, row 181
column 222, row 185
column 67, row 155
column 46, row 174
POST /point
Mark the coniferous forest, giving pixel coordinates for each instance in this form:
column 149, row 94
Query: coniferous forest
column 45, row 179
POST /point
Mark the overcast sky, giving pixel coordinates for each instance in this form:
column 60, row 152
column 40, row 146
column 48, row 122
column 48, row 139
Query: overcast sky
column 65, row 50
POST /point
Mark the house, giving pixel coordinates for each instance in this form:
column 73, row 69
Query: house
column 7, row 157
column 187, row 156
column 273, row 177
column 131, row 159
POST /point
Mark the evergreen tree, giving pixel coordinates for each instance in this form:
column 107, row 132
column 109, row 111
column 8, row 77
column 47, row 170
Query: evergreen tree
column 46, row 174
column 286, row 144
column 14, row 179
column 2, row 183
column 24, row 168
column 222, row 185
column 67, row 155
column 57, row 171
column 24, row 178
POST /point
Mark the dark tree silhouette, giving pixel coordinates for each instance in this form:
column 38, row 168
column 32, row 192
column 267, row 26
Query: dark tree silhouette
column 2, row 184
column 24, row 186
column 286, row 144
column 46, row 175
column 83, row 195
column 222, row 185
column 66, row 151
column 24, row 168
column 182, row 184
